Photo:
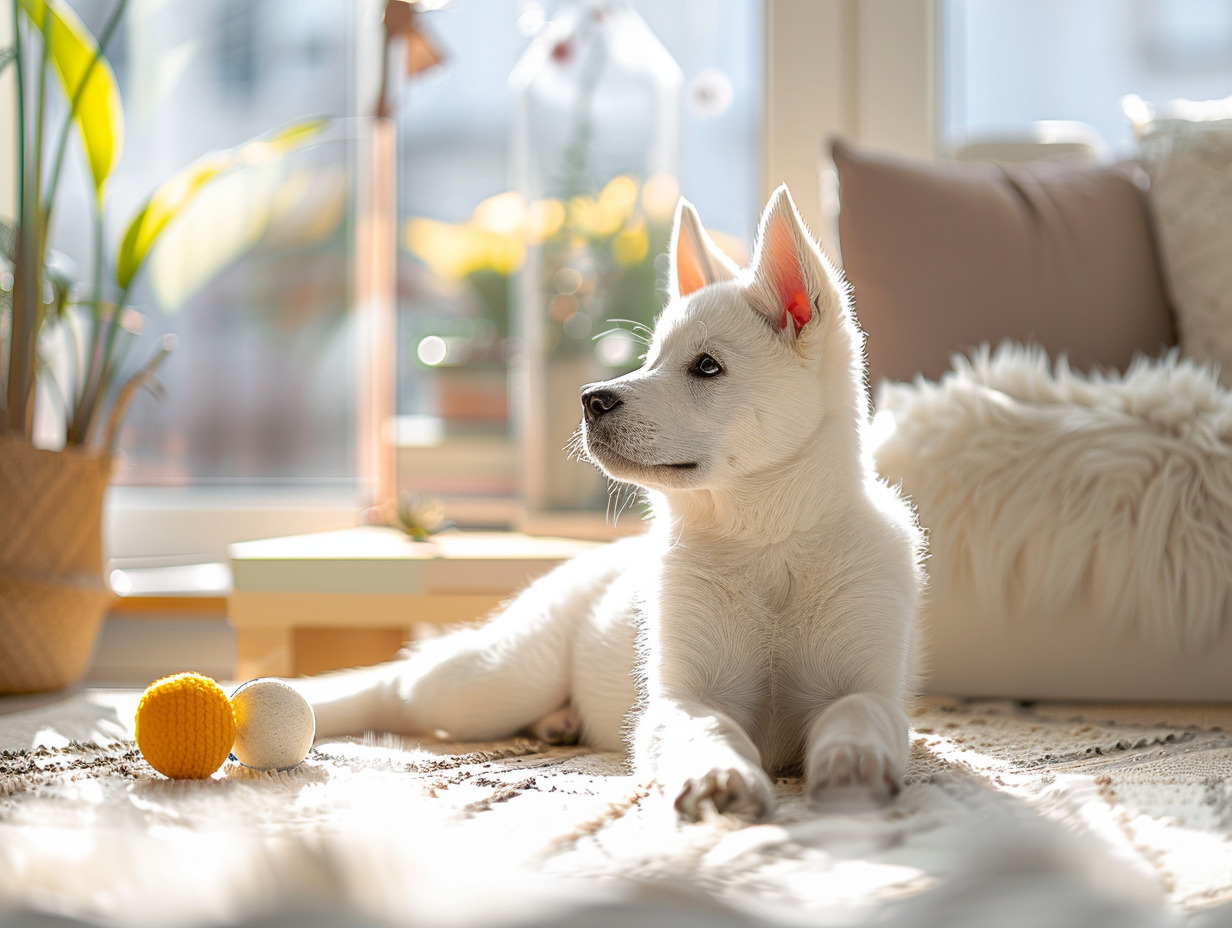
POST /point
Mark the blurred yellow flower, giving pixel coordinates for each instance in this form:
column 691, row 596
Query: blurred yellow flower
column 616, row 204
column 453, row 251
column 631, row 245
column 659, row 196
column 543, row 220
column 504, row 214
column 582, row 214
column 440, row 245
column 506, row 254
column 620, row 195
column 502, row 226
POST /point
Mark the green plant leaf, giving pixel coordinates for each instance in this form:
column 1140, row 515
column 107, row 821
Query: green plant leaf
column 169, row 198
column 99, row 116
column 162, row 206
column 7, row 54
column 274, row 145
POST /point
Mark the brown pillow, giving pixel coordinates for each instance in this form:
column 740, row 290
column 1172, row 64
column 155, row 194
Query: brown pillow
column 945, row 256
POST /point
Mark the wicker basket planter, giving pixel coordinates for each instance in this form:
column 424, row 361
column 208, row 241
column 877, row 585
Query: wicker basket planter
column 52, row 591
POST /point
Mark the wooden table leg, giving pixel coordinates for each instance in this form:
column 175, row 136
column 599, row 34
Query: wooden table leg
column 263, row 652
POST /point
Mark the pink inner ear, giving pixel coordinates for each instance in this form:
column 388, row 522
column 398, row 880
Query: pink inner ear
column 689, row 273
column 799, row 309
column 783, row 265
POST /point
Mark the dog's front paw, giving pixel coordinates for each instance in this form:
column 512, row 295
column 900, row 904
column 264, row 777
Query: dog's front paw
column 863, row 765
column 746, row 793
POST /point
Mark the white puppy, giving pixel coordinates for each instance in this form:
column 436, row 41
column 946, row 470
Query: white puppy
column 766, row 622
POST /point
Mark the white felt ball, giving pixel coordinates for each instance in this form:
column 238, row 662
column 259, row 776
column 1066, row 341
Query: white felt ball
column 274, row 725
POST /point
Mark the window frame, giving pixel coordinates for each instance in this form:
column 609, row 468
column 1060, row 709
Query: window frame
column 866, row 70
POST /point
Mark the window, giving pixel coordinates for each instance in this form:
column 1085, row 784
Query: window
column 262, row 422
column 262, row 425
column 1012, row 62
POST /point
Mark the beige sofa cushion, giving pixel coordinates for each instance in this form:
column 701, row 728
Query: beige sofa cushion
column 1186, row 147
column 944, row 257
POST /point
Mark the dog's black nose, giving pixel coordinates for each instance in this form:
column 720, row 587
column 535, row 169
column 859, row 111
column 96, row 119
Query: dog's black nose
column 599, row 402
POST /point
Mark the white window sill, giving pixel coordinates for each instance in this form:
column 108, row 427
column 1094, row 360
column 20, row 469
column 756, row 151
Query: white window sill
column 148, row 526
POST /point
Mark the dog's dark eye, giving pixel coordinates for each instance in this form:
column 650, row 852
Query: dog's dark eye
column 705, row 366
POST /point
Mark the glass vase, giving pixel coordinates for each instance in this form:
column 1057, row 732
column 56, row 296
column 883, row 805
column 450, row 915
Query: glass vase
column 595, row 156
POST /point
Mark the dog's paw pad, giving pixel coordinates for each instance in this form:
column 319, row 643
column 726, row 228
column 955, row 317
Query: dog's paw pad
column 847, row 766
column 745, row 794
column 564, row 726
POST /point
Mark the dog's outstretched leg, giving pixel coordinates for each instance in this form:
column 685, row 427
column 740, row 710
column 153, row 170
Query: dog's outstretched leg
column 857, row 741
column 473, row 684
column 477, row 683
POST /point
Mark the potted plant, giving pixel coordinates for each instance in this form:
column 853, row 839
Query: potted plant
column 52, row 591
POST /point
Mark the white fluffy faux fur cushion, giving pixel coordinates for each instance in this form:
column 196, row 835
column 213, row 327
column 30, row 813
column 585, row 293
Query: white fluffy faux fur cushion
column 1055, row 498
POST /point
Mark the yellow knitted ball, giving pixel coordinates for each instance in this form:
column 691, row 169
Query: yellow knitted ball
column 185, row 726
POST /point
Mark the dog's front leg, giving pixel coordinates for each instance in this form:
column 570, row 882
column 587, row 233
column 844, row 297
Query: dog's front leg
column 858, row 741
column 700, row 756
column 703, row 684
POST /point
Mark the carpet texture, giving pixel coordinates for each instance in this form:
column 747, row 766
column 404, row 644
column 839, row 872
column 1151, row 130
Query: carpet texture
column 1045, row 815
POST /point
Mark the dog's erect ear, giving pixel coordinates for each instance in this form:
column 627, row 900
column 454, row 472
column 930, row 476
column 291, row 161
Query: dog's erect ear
column 695, row 259
column 787, row 269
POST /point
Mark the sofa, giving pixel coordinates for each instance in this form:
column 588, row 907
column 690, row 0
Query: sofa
column 1045, row 344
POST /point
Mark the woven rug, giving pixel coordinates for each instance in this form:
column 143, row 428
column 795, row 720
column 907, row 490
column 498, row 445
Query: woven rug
column 1044, row 815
